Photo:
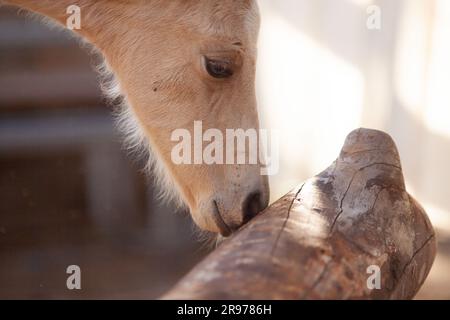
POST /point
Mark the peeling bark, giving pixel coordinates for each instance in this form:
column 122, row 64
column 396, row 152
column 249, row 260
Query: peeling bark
column 318, row 241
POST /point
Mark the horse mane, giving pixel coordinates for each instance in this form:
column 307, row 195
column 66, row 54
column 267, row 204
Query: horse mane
column 135, row 141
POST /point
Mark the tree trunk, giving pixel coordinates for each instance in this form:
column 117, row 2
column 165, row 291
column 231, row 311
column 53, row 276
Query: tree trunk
column 333, row 237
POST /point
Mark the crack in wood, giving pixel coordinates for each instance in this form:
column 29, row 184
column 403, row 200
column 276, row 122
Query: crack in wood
column 317, row 281
column 350, row 184
column 414, row 255
column 365, row 150
column 381, row 190
column 272, row 251
column 376, row 198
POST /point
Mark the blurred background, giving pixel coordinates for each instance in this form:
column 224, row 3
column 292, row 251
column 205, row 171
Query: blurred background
column 70, row 195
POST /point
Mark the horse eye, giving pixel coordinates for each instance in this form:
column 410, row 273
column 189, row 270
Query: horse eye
column 218, row 68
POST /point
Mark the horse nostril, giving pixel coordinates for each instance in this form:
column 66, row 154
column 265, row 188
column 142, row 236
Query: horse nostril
column 252, row 206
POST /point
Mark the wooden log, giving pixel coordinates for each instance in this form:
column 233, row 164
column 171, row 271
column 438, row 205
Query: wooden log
column 327, row 238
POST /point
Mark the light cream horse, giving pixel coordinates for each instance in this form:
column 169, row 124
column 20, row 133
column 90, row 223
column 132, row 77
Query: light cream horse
column 174, row 62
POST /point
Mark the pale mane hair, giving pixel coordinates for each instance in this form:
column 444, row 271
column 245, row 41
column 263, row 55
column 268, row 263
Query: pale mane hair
column 138, row 146
column 135, row 141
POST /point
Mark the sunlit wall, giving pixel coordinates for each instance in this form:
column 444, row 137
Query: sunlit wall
column 322, row 73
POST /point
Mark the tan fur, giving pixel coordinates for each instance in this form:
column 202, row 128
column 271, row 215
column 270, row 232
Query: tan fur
column 154, row 49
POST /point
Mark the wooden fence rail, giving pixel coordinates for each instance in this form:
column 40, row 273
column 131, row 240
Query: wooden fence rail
column 351, row 232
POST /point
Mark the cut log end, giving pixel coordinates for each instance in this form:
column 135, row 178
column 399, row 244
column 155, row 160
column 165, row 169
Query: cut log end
column 351, row 232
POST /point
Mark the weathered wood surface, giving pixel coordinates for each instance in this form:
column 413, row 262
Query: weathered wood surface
column 318, row 241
